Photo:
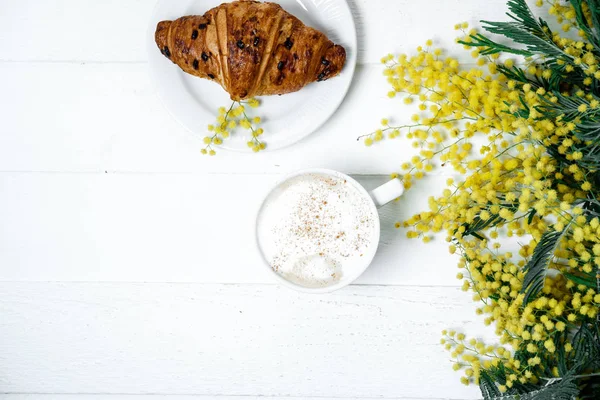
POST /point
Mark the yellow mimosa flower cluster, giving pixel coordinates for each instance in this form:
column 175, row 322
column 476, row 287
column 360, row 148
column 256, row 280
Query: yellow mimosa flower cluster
column 491, row 131
column 230, row 119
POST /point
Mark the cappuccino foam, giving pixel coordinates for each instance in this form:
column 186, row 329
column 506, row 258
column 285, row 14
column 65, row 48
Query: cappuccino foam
column 315, row 230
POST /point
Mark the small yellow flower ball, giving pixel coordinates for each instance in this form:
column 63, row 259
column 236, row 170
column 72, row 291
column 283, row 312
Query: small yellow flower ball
column 586, row 186
column 568, row 347
column 534, row 361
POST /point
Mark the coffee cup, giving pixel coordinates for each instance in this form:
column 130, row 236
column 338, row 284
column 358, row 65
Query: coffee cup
column 318, row 230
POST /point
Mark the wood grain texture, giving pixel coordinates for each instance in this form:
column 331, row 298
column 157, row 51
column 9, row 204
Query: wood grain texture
column 114, row 31
column 76, row 31
column 175, row 227
column 364, row 341
column 80, row 396
column 106, row 117
column 99, row 183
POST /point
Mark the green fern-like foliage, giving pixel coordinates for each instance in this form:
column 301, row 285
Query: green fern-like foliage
column 537, row 267
column 525, row 29
column 533, row 37
column 569, row 93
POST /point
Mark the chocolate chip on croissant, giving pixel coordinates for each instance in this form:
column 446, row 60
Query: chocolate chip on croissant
column 250, row 48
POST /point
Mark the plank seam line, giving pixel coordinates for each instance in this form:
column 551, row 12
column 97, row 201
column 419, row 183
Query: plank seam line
column 73, row 62
column 241, row 396
column 100, row 282
column 191, row 173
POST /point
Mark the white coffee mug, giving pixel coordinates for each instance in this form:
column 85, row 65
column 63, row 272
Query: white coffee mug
column 376, row 198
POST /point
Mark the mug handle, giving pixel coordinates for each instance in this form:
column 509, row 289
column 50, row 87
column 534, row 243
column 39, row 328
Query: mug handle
column 387, row 192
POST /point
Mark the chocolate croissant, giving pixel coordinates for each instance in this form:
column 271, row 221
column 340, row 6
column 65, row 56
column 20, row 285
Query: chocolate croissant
column 250, row 48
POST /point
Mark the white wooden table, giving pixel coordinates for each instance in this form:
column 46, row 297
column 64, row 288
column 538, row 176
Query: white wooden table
column 127, row 263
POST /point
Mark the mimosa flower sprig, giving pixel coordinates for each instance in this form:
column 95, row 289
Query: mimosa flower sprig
column 533, row 174
column 228, row 120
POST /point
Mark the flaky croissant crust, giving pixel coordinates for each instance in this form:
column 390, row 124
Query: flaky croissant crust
column 250, row 48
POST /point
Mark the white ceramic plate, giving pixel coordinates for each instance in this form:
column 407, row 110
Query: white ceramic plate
column 286, row 119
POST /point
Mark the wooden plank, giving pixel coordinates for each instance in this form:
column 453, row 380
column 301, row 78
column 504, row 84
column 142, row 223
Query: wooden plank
column 80, row 396
column 175, row 227
column 114, row 31
column 370, row 341
column 399, row 26
column 106, row 117
column 77, row 31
